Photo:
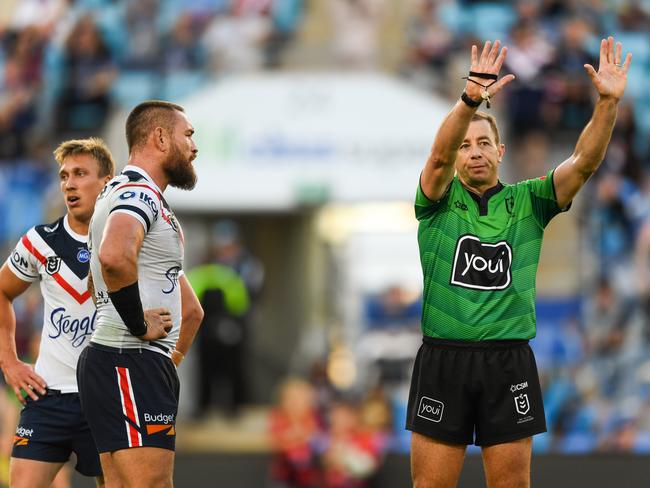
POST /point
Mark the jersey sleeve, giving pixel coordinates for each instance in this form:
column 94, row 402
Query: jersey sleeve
column 543, row 198
column 22, row 262
column 139, row 201
column 424, row 207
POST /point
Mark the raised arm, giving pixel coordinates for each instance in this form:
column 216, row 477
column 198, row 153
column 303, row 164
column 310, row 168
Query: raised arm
column 118, row 256
column 192, row 315
column 17, row 373
column 610, row 81
column 439, row 168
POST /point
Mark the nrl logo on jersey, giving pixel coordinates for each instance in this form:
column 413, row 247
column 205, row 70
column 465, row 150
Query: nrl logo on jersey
column 481, row 266
column 53, row 265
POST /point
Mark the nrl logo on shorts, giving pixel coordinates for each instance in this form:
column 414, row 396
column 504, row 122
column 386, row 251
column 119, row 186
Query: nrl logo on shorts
column 53, row 265
column 522, row 405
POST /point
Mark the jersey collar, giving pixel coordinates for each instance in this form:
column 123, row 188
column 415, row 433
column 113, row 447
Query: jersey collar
column 482, row 200
column 138, row 169
column 73, row 234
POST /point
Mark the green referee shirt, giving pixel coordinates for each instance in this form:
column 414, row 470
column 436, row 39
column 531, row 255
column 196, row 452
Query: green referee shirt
column 479, row 259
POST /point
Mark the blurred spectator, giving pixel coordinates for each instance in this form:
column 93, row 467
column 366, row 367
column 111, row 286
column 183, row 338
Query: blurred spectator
column 606, row 318
column 235, row 41
column 293, row 426
column 356, row 38
column 394, row 308
column 285, row 20
column 88, row 73
column 19, row 87
column 430, row 43
column 143, row 37
column 351, row 453
column 529, row 55
column 182, row 48
column 225, row 302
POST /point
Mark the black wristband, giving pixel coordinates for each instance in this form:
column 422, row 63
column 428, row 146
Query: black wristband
column 470, row 101
column 129, row 306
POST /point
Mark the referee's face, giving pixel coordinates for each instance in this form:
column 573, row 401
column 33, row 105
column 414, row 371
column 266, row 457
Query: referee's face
column 479, row 156
column 80, row 185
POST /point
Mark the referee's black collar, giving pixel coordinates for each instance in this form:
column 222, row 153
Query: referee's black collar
column 482, row 200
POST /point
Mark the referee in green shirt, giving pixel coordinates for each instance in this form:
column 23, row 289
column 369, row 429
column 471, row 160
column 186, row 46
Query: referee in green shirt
column 475, row 378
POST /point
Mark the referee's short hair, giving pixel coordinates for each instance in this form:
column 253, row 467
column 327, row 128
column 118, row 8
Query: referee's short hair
column 145, row 117
column 492, row 121
column 93, row 146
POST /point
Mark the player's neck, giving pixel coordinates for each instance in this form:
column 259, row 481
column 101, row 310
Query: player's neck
column 78, row 226
column 151, row 166
column 478, row 189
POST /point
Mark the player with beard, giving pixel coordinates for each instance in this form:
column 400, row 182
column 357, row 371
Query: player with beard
column 127, row 375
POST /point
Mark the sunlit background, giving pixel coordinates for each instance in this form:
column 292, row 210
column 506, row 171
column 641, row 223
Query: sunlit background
column 313, row 120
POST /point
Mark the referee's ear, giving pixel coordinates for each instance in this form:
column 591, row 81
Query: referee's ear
column 501, row 150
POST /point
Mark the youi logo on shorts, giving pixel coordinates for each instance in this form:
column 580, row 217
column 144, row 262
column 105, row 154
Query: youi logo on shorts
column 481, row 266
column 163, row 423
column 430, row 409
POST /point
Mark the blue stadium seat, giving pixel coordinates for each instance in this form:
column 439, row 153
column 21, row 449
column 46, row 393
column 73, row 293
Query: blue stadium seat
column 132, row 87
column 181, row 84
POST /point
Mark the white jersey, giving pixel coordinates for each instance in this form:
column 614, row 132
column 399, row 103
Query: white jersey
column 160, row 261
column 59, row 257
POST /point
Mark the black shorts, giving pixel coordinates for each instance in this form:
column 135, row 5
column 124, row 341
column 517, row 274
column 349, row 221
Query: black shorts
column 52, row 428
column 130, row 397
column 488, row 388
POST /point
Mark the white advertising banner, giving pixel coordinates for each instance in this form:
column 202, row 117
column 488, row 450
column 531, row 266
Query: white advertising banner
column 280, row 141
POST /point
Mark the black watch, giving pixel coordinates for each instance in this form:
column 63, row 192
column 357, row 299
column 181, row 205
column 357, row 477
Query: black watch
column 470, row 101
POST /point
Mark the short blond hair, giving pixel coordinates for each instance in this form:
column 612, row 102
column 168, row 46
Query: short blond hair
column 93, row 146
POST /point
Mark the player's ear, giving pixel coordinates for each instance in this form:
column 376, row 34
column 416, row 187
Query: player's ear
column 502, row 151
column 160, row 139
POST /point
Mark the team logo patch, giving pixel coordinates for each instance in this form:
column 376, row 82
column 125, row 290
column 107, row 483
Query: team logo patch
column 522, row 405
column 53, row 264
column 83, row 255
column 481, row 266
column 430, row 409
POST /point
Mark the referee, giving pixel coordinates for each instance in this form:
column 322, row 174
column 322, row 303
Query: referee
column 475, row 380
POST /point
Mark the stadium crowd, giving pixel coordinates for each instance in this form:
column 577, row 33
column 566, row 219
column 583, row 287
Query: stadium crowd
column 67, row 65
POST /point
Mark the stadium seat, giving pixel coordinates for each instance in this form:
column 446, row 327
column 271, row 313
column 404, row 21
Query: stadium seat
column 132, row 87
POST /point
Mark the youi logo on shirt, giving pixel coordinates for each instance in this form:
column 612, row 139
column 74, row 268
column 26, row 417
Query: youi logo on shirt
column 481, row 266
column 76, row 329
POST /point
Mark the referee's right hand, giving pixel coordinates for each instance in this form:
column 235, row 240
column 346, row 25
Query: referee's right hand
column 159, row 323
column 21, row 376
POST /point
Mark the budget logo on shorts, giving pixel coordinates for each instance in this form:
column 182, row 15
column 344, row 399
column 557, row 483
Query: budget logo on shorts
column 430, row 409
column 522, row 405
column 481, row 266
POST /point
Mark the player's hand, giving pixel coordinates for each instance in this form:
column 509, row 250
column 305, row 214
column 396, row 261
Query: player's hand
column 489, row 62
column 159, row 323
column 19, row 375
column 611, row 77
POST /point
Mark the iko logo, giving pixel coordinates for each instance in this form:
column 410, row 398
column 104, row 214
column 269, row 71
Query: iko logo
column 161, row 417
column 430, row 409
column 481, row 266
column 520, row 386
column 172, row 276
column 460, row 205
column 79, row 330
column 146, row 199
column 23, row 432
column 522, row 405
